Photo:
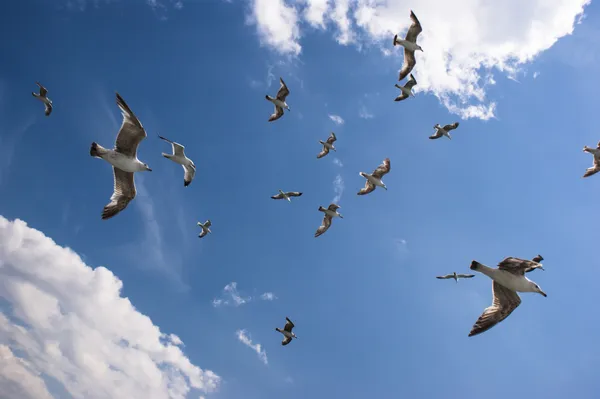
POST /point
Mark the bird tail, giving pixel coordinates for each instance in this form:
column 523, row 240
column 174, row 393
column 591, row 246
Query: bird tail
column 268, row 97
column 398, row 86
column 96, row 150
column 395, row 38
column 168, row 156
column 475, row 265
column 322, row 209
column 35, row 94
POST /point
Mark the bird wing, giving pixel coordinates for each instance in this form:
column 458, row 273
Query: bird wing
column 324, row 225
column 445, row 277
column 451, row 126
column 411, row 82
column 593, row 170
column 414, row 30
column 382, row 169
column 402, row 96
column 367, row 188
column 293, row 193
column 208, row 223
column 323, row 152
column 516, row 265
column 283, row 91
column 203, row 233
column 43, row 90
column 408, row 64
column 277, row 196
column 276, row 114
column 47, row 109
column 503, row 303
column 188, row 174
column 333, row 207
column 436, row 135
column 331, row 138
column 131, row 133
column 286, row 340
column 288, row 325
column 123, row 193
column 178, row 149
column 465, row 275
column 538, row 258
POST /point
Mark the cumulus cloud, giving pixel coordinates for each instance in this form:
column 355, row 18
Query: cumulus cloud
column 463, row 40
column 338, row 120
column 231, row 296
column 338, row 189
column 18, row 379
column 70, row 323
column 242, row 336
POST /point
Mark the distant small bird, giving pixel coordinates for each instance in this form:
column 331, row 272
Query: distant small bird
column 124, row 160
column 443, row 131
column 509, row 278
column 330, row 213
column 410, row 46
column 406, row 89
column 327, row 145
column 596, row 153
column 279, row 101
column 43, row 97
column 287, row 332
column 287, row 195
column 456, row 276
column 179, row 157
column 374, row 180
column 205, row 228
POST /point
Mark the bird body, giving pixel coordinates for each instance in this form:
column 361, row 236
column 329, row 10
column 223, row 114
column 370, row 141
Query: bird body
column 443, row 131
column 117, row 159
column 279, row 101
column 43, row 97
column 178, row 156
column 595, row 168
column 374, row 179
column 205, row 228
column 287, row 332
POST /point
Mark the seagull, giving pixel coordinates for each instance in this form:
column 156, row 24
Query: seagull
column 374, row 179
column 406, row 89
column 124, row 160
column 455, row 276
column 179, row 157
column 443, row 131
column 537, row 259
column 509, row 278
column 596, row 153
column 279, row 101
column 330, row 213
column 287, row 332
column 43, row 97
column 410, row 45
column 327, row 145
column 205, row 228
column 287, row 195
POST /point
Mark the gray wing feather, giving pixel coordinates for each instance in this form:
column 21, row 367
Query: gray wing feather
column 131, row 133
column 504, row 303
column 123, row 192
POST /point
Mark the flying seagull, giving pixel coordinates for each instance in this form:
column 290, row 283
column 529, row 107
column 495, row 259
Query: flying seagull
column 406, row 89
column 455, row 276
column 443, row 131
column 279, row 101
column 287, row 195
column 327, row 145
column 43, row 97
column 374, row 179
column 179, row 157
column 509, row 278
column 205, row 228
column 410, row 46
column 287, row 332
column 330, row 213
column 124, row 160
column 596, row 153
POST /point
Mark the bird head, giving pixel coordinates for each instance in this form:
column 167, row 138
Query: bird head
column 419, row 48
column 147, row 167
column 536, row 288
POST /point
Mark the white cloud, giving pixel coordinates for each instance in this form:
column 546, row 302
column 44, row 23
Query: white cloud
column 231, row 296
column 536, row 74
column 463, row 40
column 337, row 162
column 18, row 379
column 69, row 322
column 364, row 113
column 338, row 189
column 242, row 336
column 338, row 120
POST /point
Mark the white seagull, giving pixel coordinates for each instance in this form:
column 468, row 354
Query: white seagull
column 287, row 195
column 330, row 213
column 124, row 160
column 179, row 157
column 509, row 278
column 410, row 46
column 406, row 89
column 205, row 228
column 374, row 180
column 596, row 153
column 43, row 97
column 287, row 332
column 279, row 101
column 455, row 276
column 443, row 131
column 327, row 145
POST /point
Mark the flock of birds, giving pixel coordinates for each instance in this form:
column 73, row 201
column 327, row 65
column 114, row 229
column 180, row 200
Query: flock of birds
column 508, row 278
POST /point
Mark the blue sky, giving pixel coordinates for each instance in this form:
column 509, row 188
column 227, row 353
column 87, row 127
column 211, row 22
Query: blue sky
column 372, row 320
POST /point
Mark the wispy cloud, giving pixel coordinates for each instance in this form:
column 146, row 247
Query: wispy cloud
column 231, row 296
column 9, row 139
column 338, row 120
column 338, row 188
column 536, row 74
column 364, row 113
column 242, row 336
column 337, row 162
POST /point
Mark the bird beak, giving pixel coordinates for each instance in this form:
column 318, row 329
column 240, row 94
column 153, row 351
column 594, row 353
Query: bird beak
column 385, row 187
column 543, row 293
column 542, row 268
column 149, row 170
column 341, row 216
